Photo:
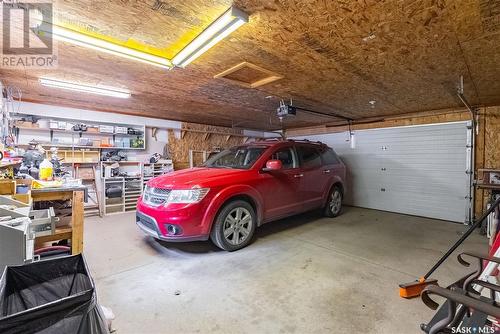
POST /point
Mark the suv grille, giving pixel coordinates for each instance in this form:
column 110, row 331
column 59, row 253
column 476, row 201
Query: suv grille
column 155, row 196
column 148, row 224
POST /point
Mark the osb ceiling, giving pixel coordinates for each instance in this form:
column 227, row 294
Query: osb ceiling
column 335, row 57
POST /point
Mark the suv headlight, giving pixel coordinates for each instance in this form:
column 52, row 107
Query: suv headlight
column 185, row 196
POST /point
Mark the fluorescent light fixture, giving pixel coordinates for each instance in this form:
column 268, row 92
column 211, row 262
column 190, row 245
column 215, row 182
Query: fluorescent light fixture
column 107, row 91
column 90, row 42
column 228, row 22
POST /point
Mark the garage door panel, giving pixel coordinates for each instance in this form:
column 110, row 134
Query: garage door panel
column 452, row 164
column 441, row 163
column 417, row 188
column 415, row 170
column 424, row 204
column 419, row 204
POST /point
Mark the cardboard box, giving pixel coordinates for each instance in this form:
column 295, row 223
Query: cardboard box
column 57, row 125
column 23, row 197
column 7, row 187
column 121, row 130
column 26, row 124
column 106, row 128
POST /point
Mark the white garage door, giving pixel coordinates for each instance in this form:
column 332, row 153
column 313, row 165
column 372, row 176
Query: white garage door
column 417, row 170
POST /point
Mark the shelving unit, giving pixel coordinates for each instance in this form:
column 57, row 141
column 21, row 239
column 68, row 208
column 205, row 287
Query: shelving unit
column 133, row 191
column 151, row 170
column 131, row 184
column 114, row 204
column 77, row 156
column 68, row 138
column 488, row 179
column 133, row 169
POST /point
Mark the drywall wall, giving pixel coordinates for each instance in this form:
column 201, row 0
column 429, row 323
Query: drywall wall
column 168, row 132
column 86, row 115
column 153, row 144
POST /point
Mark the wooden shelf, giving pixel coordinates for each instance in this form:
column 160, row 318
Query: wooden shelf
column 484, row 179
column 122, row 162
column 488, row 186
column 114, row 205
column 75, row 232
column 116, row 139
column 78, row 132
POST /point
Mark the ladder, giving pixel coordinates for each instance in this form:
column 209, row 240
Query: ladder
column 88, row 176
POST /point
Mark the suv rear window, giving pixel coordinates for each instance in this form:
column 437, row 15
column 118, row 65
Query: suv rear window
column 309, row 157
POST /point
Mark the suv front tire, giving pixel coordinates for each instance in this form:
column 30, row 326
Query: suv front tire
column 234, row 226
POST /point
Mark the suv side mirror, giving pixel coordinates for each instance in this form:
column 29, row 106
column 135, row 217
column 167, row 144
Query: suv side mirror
column 273, row 165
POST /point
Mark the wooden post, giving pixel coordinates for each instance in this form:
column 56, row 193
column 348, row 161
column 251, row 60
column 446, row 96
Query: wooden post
column 77, row 223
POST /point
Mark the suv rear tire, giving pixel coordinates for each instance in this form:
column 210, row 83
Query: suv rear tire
column 234, row 226
column 333, row 205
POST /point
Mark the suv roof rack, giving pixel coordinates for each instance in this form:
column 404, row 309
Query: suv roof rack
column 306, row 141
column 273, row 139
column 294, row 140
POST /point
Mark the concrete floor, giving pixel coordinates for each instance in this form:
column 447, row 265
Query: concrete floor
column 305, row 274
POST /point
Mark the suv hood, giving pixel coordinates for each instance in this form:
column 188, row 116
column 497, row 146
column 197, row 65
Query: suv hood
column 188, row 178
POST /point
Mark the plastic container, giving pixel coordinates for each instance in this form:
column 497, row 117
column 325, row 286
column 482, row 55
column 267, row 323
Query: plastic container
column 46, row 170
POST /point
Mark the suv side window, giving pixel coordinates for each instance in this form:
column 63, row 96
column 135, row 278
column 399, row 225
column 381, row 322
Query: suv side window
column 329, row 157
column 309, row 157
column 287, row 157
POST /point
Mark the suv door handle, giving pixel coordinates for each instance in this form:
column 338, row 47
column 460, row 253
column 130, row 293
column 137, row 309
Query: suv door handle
column 326, row 171
column 298, row 175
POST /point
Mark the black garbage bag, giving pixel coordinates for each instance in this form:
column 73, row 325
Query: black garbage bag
column 51, row 297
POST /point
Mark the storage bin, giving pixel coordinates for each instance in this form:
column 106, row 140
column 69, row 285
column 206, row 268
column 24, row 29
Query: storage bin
column 51, row 296
column 43, row 222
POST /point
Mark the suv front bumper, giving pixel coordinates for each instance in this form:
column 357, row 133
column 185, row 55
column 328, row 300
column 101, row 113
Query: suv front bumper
column 149, row 225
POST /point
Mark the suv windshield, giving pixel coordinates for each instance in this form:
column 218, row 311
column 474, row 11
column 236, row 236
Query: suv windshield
column 240, row 157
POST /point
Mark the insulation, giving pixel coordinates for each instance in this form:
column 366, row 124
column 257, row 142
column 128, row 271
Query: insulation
column 200, row 141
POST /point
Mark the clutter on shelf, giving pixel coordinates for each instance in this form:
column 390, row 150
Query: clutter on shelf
column 114, row 155
column 68, row 133
column 123, row 181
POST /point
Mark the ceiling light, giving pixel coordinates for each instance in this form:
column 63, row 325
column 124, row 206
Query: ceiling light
column 107, row 91
column 228, row 22
column 90, row 42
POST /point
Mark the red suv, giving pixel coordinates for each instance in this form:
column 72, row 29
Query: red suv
column 242, row 188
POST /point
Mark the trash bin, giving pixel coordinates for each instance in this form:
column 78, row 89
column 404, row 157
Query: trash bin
column 50, row 297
